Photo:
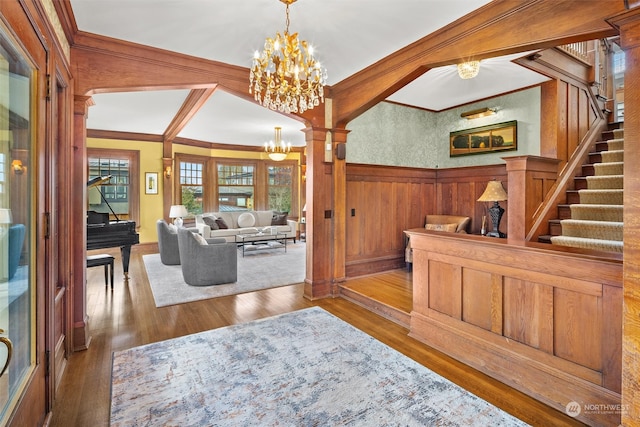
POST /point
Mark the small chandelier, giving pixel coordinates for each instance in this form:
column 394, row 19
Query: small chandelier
column 277, row 150
column 468, row 70
column 285, row 76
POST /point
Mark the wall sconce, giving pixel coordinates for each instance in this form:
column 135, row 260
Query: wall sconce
column 167, row 172
column 476, row 114
column 18, row 167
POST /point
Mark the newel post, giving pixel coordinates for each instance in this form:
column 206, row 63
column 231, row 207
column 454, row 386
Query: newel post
column 530, row 178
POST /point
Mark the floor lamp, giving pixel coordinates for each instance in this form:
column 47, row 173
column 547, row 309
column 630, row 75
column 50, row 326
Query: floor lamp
column 494, row 193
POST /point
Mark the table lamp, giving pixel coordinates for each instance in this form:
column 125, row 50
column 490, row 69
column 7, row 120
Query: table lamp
column 177, row 212
column 494, row 193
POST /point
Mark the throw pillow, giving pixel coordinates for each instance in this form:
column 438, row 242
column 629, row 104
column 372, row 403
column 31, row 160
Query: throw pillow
column 221, row 224
column 211, row 222
column 442, row 227
column 200, row 239
column 279, row 219
column 246, row 220
column 172, row 228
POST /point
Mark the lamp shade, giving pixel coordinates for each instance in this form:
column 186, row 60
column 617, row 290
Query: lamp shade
column 5, row 216
column 178, row 211
column 493, row 193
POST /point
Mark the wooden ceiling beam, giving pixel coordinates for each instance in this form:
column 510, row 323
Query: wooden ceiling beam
column 191, row 105
column 499, row 28
column 104, row 65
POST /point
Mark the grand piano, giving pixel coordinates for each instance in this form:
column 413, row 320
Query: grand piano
column 103, row 233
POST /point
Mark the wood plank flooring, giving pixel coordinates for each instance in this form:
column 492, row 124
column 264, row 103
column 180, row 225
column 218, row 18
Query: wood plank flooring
column 127, row 317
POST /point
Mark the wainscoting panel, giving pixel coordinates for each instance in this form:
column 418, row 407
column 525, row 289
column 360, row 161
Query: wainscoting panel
column 383, row 201
column 531, row 315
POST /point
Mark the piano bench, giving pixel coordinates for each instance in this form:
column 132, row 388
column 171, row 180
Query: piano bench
column 107, row 261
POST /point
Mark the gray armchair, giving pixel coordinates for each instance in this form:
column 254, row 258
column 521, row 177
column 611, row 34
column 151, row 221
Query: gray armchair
column 167, row 243
column 213, row 263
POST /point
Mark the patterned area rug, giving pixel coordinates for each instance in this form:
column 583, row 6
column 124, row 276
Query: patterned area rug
column 256, row 270
column 305, row 368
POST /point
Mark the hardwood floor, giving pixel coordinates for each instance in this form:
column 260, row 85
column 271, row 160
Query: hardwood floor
column 127, row 317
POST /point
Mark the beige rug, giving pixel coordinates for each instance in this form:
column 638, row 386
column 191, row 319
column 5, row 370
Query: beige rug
column 257, row 270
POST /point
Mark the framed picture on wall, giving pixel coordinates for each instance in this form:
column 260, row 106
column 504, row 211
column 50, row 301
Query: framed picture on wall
column 484, row 139
column 151, row 183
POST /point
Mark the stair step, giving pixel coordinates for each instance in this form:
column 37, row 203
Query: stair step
column 555, row 227
column 596, row 212
column 545, row 238
column 580, row 242
column 573, row 197
column 615, row 144
column 603, row 182
column 589, row 169
column 612, row 196
column 601, row 146
column 603, row 230
column 612, row 168
column 611, row 156
column 608, row 134
column 596, row 157
column 580, row 182
column 564, row 211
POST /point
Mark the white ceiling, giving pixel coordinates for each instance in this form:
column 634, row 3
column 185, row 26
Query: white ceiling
column 347, row 35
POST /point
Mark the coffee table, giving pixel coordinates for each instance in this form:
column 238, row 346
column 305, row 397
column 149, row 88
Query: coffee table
column 261, row 241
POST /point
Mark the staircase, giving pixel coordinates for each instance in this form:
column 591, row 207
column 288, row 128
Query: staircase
column 592, row 217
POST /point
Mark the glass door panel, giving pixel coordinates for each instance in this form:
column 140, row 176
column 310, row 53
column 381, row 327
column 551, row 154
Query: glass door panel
column 17, row 334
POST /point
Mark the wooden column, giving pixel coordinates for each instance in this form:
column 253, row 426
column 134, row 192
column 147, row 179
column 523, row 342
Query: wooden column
column 167, row 182
column 319, row 216
column 80, row 336
column 339, row 208
column 629, row 25
column 529, row 180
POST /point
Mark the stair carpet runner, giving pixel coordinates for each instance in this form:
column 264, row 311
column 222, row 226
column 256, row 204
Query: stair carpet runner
column 596, row 222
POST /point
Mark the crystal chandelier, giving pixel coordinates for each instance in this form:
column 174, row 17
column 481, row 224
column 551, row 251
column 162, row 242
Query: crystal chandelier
column 285, row 76
column 277, row 150
column 468, row 70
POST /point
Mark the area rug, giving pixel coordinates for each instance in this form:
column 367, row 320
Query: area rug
column 304, row 368
column 256, row 270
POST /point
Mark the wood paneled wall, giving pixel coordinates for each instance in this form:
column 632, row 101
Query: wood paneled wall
column 383, row 201
column 569, row 108
column 545, row 320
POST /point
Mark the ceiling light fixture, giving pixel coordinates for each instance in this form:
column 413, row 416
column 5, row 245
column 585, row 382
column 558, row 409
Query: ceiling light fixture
column 476, row 114
column 285, row 76
column 278, row 149
column 468, row 70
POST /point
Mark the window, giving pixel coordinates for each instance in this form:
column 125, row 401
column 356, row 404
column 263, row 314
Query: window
column 120, row 193
column 235, row 187
column 115, row 190
column 191, row 186
column 619, row 64
column 211, row 184
column 280, row 188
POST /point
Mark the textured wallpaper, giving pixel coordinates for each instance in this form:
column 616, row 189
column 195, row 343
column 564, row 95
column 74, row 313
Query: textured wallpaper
column 394, row 135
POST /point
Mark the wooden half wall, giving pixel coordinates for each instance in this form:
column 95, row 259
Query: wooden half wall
column 383, row 201
column 542, row 319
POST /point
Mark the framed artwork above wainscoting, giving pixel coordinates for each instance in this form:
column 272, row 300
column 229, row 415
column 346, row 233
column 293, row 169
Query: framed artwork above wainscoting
column 484, row 139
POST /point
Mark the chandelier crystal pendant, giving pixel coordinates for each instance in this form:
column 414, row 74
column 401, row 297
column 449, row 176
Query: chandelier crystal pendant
column 468, row 70
column 277, row 149
column 285, row 76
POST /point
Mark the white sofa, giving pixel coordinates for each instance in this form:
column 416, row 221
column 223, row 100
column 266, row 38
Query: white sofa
column 261, row 220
